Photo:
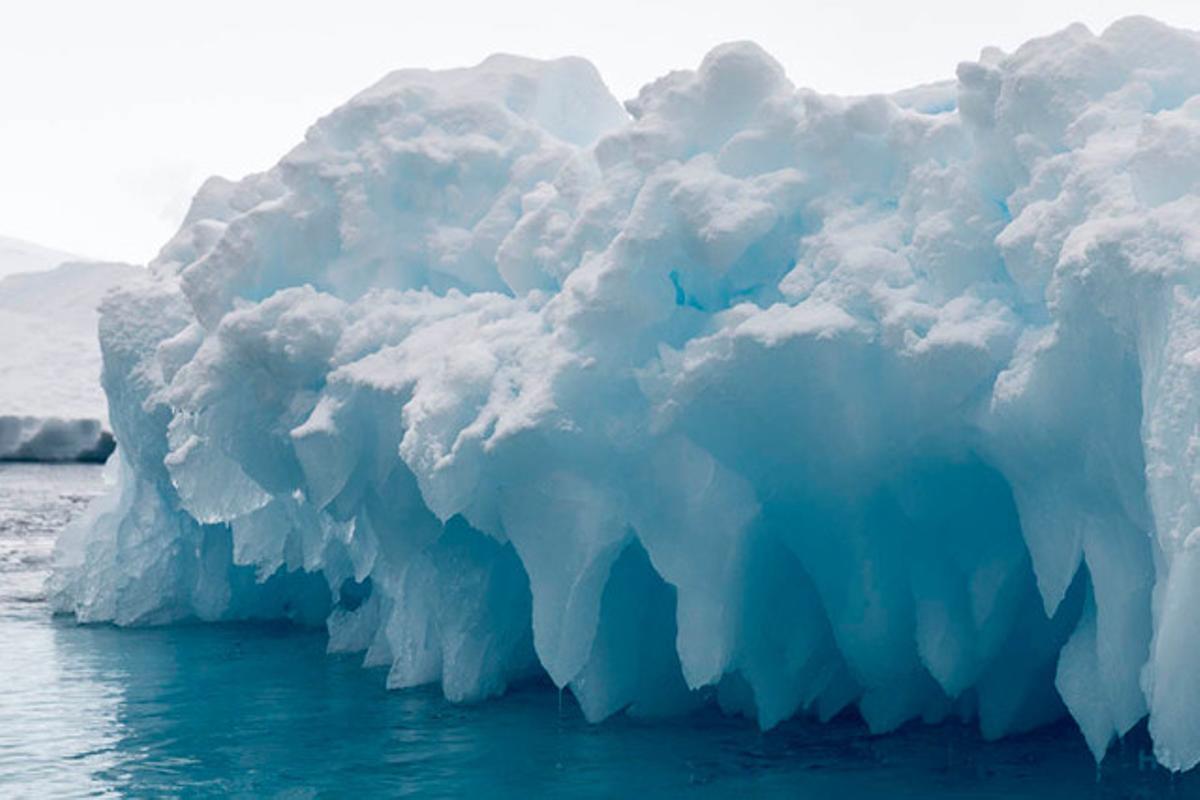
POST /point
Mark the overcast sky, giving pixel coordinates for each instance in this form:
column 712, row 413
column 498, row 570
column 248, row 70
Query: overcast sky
column 112, row 113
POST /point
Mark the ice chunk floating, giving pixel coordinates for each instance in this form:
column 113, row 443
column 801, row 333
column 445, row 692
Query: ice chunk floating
column 744, row 392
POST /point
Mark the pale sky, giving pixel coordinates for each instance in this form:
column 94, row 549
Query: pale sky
column 112, row 113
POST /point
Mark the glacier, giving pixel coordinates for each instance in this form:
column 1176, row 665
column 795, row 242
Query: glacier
column 737, row 393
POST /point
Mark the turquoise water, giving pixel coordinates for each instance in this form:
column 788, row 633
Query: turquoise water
column 262, row 711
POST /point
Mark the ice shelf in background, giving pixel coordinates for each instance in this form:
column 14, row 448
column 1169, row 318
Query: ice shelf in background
column 20, row 256
column 744, row 394
column 52, row 407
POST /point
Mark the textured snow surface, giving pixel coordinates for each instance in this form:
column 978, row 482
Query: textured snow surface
column 52, row 407
column 756, row 395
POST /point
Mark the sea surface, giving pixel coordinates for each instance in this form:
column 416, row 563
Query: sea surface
column 262, row 711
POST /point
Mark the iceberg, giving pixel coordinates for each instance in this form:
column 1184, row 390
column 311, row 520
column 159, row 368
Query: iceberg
column 739, row 393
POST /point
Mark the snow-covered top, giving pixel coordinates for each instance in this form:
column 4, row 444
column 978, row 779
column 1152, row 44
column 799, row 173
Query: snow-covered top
column 564, row 97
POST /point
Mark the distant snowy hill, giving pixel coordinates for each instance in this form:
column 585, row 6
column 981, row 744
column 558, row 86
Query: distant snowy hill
column 19, row 256
column 51, row 403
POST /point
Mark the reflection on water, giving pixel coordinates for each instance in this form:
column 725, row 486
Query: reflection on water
column 240, row 710
column 58, row 709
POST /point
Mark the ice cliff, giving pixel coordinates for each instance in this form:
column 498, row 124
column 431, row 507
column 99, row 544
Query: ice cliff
column 744, row 392
column 51, row 405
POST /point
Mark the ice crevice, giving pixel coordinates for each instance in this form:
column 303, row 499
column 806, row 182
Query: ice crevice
column 741, row 393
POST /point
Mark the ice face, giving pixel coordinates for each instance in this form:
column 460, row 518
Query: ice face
column 793, row 400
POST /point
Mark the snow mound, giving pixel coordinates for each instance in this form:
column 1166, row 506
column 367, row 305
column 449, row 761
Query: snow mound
column 20, row 256
column 788, row 400
column 52, row 406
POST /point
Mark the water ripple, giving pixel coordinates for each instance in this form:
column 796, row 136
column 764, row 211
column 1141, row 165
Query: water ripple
column 263, row 711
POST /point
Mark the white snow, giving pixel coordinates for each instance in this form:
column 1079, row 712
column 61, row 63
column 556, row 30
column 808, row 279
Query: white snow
column 798, row 400
column 52, row 406
column 20, row 256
